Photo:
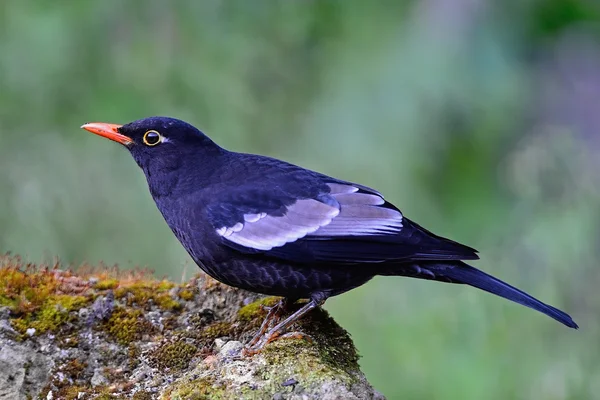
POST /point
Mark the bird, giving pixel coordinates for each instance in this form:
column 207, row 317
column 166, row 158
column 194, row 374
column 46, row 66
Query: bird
column 275, row 228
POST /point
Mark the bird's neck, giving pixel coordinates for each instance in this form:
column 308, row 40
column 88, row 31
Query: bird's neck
column 179, row 174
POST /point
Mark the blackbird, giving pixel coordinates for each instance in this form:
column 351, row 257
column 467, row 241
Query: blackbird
column 271, row 227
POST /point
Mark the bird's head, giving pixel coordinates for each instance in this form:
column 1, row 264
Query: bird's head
column 159, row 145
column 155, row 139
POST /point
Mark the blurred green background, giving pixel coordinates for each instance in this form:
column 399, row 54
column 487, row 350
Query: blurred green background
column 480, row 119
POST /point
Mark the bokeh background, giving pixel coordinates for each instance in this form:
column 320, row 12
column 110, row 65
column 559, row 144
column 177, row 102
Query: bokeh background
column 479, row 118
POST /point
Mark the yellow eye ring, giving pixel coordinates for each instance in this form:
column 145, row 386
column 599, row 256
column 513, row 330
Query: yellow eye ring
column 152, row 138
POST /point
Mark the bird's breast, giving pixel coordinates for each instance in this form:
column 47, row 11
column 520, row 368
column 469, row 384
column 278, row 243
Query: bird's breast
column 188, row 222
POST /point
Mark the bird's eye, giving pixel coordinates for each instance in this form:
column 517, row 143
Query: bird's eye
column 151, row 138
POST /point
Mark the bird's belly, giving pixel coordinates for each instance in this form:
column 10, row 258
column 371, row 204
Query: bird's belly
column 269, row 276
column 287, row 280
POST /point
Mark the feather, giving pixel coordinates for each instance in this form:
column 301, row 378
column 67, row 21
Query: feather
column 263, row 232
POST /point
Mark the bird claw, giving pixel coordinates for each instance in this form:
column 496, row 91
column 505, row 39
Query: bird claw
column 249, row 351
column 264, row 307
column 272, row 337
column 261, row 339
column 273, row 316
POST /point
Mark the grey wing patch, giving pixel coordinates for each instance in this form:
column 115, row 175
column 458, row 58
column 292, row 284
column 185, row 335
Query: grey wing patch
column 361, row 214
column 264, row 232
column 338, row 188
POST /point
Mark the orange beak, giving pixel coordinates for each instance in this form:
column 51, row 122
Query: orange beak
column 110, row 131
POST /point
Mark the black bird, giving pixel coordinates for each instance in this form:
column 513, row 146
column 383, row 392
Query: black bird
column 271, row 227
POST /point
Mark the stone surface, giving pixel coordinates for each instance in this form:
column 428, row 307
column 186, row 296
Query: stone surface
column 24, row 370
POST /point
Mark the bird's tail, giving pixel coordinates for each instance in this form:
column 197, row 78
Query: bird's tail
column 459, row 272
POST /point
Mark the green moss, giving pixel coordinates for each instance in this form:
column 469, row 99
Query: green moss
column 126, row 326
column 71, row 392
column 142, row 293
column 56, row 311
column 26, row 291
column 254, row 311
column 20, row 325
column 216, row 330
column 174, row 355
column 333, row 342
column 310, row 361
column 6, row 302
column 166, row 302
column 69, row 341
column 198, row 389
column 330, row 354
column 133, row 354
column 186, row 294
column 39, row 298
column 51, row 315
column 142, row 395
column 302, row 359
column 107, row 396
column 68, row 385
column 106, row 284
column 296, row 357
column 165, row 285
column 74, row 369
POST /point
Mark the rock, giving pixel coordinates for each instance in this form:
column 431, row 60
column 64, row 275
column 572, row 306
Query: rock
column 4, row 313
column 23, row 370
column 132, row 335
column 231, row 349
column 98, row 379
column 6, row 328
column 219, row 343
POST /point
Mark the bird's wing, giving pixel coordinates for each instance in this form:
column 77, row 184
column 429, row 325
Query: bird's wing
column 342, row 222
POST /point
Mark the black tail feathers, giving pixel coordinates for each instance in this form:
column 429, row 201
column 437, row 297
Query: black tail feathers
column 459, row 272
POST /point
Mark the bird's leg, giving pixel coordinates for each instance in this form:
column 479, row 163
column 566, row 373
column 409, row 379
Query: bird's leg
column 276, row 331
column 273, row 314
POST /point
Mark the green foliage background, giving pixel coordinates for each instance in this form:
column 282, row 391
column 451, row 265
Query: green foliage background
column 480, row 119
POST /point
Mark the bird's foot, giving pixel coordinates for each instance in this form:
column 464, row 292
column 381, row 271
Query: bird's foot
column 274, row 314
column 261, row 339
column 270, row 338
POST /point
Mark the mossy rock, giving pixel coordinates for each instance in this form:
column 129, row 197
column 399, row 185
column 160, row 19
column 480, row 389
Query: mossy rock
column 98, row 333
